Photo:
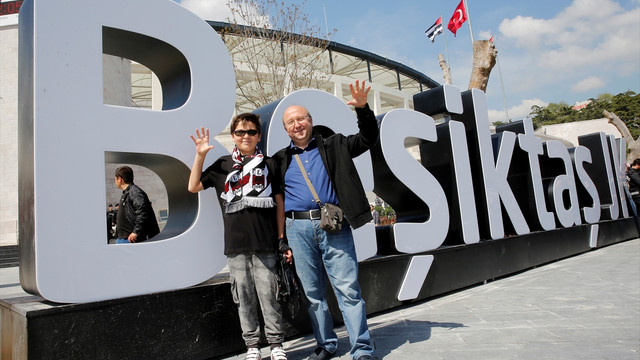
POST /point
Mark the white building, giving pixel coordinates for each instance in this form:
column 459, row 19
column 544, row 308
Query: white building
column 571, row 131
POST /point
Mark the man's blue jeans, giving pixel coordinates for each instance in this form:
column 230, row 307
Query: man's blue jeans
column 316, row 251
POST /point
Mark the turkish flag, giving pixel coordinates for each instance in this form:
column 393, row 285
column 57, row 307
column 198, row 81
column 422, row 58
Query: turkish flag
column 459, row 16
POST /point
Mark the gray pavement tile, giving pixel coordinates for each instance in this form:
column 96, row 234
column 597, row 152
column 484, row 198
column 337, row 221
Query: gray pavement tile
column 511, row 336
column 502, row 325
column 603, row 335
column 507, row 316
column 574, row 350
column 586, row 307
column 618, row 313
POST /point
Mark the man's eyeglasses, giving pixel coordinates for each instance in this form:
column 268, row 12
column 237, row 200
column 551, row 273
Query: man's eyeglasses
column 241, row 133
column 300, row 120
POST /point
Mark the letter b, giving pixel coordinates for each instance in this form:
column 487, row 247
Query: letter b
column 66, row 134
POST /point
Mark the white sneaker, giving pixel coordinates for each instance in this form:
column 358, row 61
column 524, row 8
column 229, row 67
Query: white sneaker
column 253, row 354
column 278, row 353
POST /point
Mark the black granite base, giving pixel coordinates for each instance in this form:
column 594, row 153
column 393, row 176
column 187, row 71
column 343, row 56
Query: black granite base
column 201, row 322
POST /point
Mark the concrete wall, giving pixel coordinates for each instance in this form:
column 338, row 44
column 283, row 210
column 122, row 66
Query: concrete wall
column 571, row 131
column 8, row 135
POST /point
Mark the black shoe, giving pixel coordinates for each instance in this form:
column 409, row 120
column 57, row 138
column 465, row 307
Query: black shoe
column 321, row 354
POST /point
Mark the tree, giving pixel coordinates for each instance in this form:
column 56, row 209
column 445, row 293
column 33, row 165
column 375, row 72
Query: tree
column 633, row 145
column 484, row 59
column 446, row 71
column 622, row 110
column 625, row 105
column 554, row 113
column 275, row 50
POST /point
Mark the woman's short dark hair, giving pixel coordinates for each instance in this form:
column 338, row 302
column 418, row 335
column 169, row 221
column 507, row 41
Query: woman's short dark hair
column 254, row 118
column 126, row 173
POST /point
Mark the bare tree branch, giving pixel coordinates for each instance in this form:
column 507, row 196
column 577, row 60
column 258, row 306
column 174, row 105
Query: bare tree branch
column 633, row 145
column 275, row 50
column 484, row 58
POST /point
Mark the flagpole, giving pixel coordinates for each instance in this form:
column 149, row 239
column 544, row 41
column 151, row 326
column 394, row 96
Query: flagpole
column 466, row 8
column 325, row 19
column 446, row 51
column 504, row 97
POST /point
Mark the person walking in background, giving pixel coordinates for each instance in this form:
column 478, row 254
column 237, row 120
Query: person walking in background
column 111, row 222
column 136, row 221
column 329, row 166
column 634, row 182
column 248, row 198
column 375, row 215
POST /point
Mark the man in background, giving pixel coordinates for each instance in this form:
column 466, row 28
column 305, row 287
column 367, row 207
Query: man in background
column 111, row 221
column 634, row 182
column 375, row 215
column 136, row 221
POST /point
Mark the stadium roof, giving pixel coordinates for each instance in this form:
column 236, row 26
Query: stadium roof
column 399, row 81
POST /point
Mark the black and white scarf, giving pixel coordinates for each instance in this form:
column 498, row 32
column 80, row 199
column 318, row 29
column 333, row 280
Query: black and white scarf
column 249, row 184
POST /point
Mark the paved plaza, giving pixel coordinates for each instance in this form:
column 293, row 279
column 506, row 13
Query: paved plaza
column 585, row 307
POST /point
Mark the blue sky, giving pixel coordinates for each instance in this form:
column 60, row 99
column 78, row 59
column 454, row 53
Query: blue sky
column 548, row 50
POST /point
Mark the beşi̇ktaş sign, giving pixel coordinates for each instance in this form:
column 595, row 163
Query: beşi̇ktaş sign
column 468, row 179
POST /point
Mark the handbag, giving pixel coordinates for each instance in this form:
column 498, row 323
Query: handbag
column 289, row 290
column 330, row 215
column 331, row 218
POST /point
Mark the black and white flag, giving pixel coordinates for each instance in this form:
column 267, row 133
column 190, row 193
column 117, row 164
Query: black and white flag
column 435, row 29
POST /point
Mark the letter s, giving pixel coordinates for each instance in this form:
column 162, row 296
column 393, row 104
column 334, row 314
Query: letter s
column 396, row 126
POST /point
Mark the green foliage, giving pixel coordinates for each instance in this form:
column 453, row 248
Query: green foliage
column 626, row 105
column 387, row 211
column 387, row 215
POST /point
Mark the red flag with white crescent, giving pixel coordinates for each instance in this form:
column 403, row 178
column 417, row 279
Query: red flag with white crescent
column 458, row 18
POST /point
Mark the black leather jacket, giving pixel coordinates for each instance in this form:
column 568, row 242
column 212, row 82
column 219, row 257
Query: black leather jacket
column 139, row 212
column 634, row 182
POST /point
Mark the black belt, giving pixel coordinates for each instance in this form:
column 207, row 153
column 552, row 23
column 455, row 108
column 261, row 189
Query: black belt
column 308, row 215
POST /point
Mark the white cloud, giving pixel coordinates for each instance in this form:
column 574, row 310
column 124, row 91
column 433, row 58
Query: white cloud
column 484, row 35
column 589, row 45
column 588, row 84
column 515, row 112
column 527, row 31
column 587, row 33
column 216, row 10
